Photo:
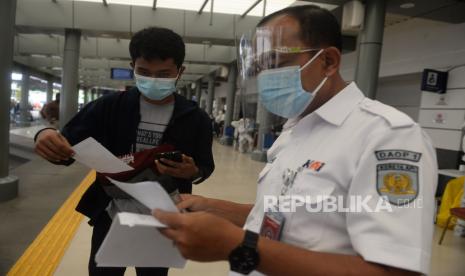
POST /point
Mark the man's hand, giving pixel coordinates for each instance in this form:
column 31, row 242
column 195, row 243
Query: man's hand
column 185, row 169
column 194, row 203
column 234, row 212
column 53, row 146
column 200, row 236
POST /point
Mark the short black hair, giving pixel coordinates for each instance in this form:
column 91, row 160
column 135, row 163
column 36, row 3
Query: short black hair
column 157, row 43
column 318, row 26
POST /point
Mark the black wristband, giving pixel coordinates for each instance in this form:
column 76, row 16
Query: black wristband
column 40, row 131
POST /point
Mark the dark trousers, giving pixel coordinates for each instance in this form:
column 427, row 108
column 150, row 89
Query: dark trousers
column 100, row 230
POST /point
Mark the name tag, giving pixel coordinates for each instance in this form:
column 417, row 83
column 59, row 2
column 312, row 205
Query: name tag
column 272, row 225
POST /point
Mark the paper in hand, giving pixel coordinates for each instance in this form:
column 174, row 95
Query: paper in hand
column 92, row 154
column 133, row 239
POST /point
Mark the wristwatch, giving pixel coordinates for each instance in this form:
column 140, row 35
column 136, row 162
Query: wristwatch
column 244, row 258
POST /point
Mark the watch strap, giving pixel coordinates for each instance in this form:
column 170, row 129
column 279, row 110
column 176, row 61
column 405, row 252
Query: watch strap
column 250, row 239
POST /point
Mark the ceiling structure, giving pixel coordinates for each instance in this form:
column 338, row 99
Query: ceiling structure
column 209, row 28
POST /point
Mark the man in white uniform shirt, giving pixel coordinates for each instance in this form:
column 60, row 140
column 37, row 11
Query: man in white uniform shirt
column 338, row 147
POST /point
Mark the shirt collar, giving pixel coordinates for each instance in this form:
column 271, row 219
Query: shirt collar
column 338, row 108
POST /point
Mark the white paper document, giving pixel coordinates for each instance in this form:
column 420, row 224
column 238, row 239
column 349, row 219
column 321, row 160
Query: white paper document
column 149, row 193
column 95, row 156
column 133, row 239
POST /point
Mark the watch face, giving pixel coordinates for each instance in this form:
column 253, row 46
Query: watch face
column 243, row 259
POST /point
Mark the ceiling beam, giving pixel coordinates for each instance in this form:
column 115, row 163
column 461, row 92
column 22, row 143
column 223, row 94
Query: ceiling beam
column 203, row 6
column 331, row 2
column 34, row 72
column 264, row 8
column 251, row 8
column 211, row 13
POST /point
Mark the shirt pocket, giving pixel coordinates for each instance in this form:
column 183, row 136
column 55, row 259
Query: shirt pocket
column 308, row 221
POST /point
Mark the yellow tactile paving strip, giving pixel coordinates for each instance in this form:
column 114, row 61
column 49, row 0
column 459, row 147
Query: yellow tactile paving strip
column 43, row 256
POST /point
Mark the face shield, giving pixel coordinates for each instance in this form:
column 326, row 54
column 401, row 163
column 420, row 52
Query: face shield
column 271, row 57
column 269, row 48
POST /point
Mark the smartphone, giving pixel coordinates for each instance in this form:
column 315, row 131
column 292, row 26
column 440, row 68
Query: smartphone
column 175, row 156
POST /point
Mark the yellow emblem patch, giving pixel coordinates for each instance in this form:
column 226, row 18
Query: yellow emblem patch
column 397, row 182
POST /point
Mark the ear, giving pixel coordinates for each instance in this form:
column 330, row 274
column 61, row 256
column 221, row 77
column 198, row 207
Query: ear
column 332, row 60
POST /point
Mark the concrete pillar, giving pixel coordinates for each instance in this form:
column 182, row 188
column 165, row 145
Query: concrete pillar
column 237, row 107
column 264, row 126
column 49, row 91
column 370, row 46
column 198, row 91
column 86, row 96
column 211, row 93
column 24, row 113
column 189, row 91
column 230, row 98
column 203, row 104
column 8, row 183
column 70, row 87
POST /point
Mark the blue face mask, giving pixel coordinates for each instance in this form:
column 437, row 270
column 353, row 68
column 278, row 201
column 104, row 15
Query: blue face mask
column 281, row 90
column 155, row 88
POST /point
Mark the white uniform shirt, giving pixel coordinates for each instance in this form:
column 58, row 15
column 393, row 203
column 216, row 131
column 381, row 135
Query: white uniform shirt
column 367, row 149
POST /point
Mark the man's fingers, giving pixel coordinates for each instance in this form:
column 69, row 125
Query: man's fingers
column 186, row 204
column 68, row 146
column 187, row 159
column 62, row 145
column 51, row 146
column 171, row 163
column 171, row 234
column 166, row 170
column 171, row 219
column 47, row 153
column 186, row 196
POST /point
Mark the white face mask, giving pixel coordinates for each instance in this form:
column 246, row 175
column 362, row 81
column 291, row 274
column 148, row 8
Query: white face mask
column 155, row 88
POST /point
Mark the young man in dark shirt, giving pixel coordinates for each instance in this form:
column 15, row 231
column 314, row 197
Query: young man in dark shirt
column 142, row 118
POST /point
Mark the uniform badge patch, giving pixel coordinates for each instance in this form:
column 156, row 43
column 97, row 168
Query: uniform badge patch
column 397, row 182
column 394, row 154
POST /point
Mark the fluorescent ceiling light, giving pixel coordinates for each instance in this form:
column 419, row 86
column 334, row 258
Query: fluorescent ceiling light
column 190, row 5
column 145, row 3
column 219, row 6
column 16, row 76
column 324, row 6
column 95, row 1
column 407, row 5
column 38, row 56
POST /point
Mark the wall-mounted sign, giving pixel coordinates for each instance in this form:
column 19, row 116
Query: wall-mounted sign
column 434, row 81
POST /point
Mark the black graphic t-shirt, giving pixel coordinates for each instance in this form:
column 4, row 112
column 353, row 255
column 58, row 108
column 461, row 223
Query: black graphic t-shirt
column 154, row 119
